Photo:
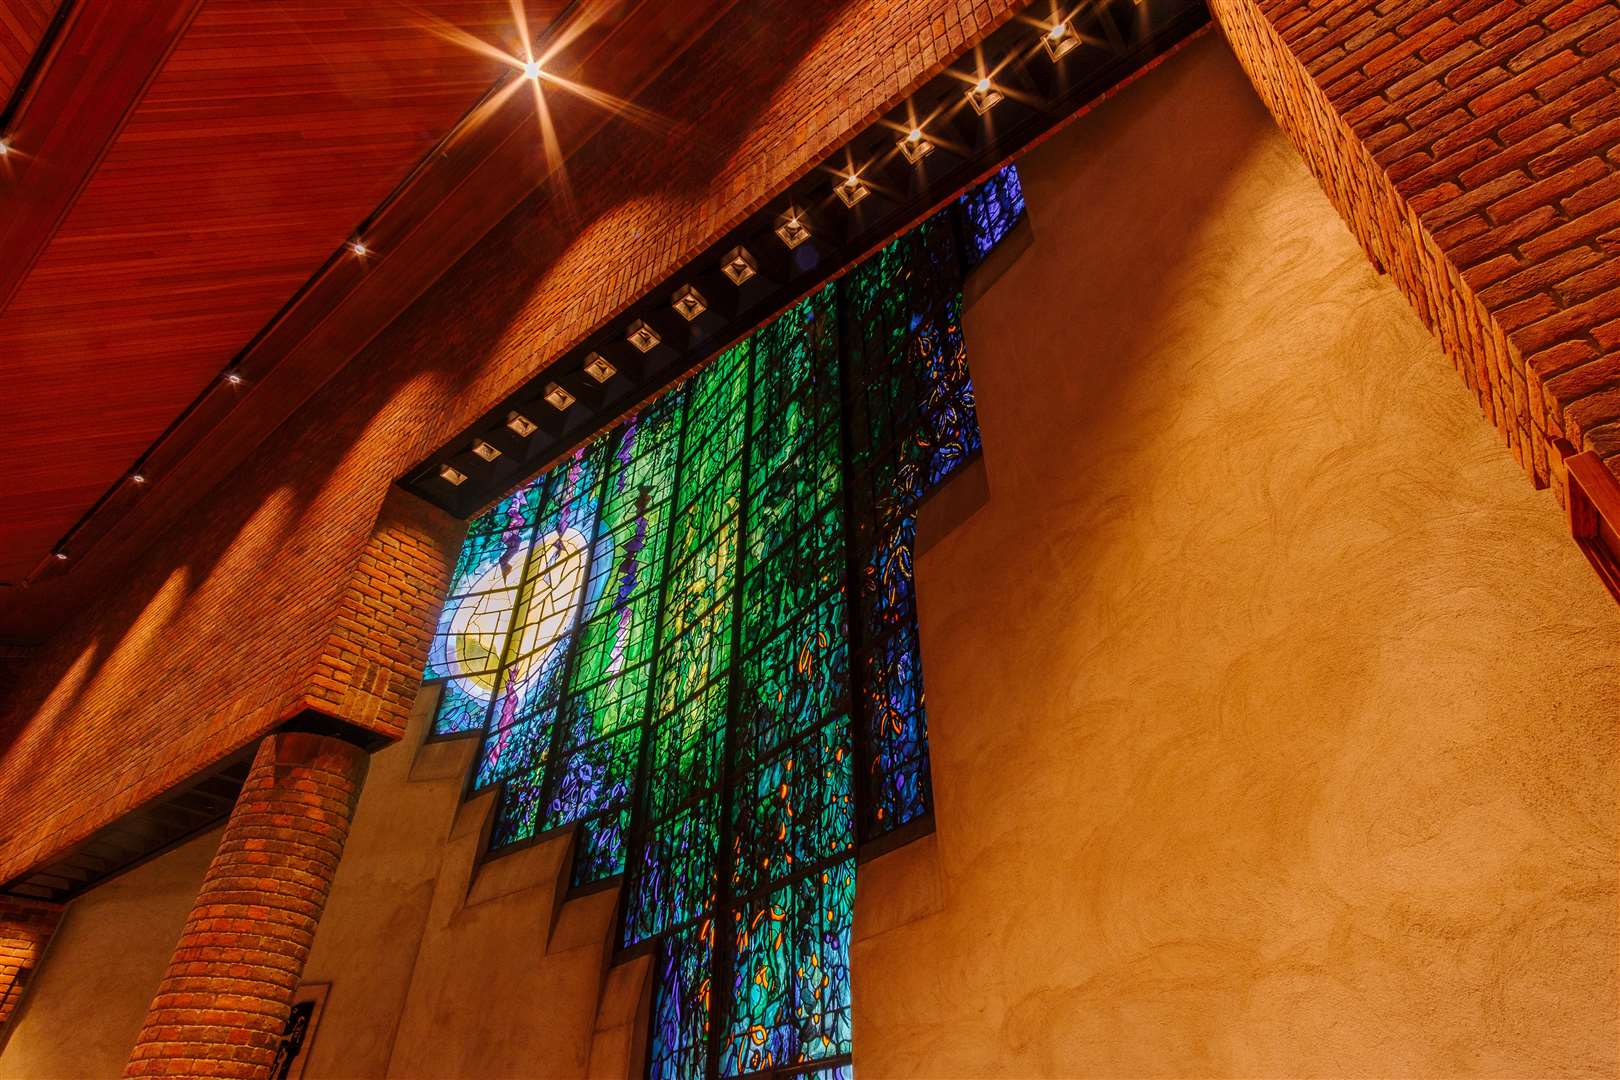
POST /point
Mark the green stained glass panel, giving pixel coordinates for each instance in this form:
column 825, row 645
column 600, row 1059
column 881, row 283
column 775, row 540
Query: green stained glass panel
column 693, row 641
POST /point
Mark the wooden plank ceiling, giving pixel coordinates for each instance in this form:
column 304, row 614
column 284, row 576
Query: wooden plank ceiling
column 253, row 146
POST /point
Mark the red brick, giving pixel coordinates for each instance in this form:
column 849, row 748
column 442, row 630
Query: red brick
column 1554, row 322
column 1588, row 379
column 1568, row 152
column 1584, row 229
column 1545, row 192
column 230, row 983
column 25, row 928
column 1540, row 276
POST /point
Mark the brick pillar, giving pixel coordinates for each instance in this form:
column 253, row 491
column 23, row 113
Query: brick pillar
column 25, row 927
column 225, row 997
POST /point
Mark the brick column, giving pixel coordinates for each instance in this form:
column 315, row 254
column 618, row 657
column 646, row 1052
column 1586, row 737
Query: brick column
column 221, row 1006
column 25, row 927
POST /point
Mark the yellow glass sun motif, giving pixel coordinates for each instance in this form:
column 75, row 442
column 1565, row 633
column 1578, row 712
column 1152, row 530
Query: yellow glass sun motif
column 546, row 603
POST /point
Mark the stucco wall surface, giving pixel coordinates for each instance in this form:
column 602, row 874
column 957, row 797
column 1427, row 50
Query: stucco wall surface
column 1274, row 727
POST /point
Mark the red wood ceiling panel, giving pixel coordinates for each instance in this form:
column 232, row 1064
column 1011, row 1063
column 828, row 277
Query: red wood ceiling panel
column 22, row 26
column 268, row 136
column 484, row 171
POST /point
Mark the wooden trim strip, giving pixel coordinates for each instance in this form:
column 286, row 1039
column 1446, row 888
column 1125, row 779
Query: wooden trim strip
column 1594, row 515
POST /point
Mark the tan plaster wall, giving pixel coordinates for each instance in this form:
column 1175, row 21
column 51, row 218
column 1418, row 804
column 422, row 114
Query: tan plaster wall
column 85, row 1005
column 1274, row 720
column 1274, row 723
column 452, row 968
column 438, row 967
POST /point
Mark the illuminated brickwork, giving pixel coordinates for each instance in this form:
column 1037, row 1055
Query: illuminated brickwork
column 1473, row 146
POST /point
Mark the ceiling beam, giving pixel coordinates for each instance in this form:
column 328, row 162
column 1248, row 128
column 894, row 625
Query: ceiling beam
column 63, row 122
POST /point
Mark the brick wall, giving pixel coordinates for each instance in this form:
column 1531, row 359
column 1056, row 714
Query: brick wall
column 223, row 1001
column 240, row 616
column 1474, row 148
column 25, row 927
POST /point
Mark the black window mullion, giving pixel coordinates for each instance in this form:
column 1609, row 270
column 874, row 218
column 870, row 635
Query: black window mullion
column 854, row 559
column 722, row 956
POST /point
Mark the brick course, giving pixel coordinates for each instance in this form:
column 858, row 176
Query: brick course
column 1473, row 146
column 25, row 927
column 224, row 1000
column 370, row 669
column 247, row 612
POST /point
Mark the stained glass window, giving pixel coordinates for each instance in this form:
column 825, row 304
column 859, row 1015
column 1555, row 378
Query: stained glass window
column 695, row 641
column 992, row 209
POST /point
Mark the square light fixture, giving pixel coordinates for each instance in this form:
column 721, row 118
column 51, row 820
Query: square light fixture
column 642, row 336
column 521, row 425
column 739, row 265
column 852, row 189
column 984, row 96
column 452, row 475
column 689, row 302
column 598, row 368
column 559, row 398
column 915, row 146
column 792, row 230
column 487, row 451
column 1060, row 40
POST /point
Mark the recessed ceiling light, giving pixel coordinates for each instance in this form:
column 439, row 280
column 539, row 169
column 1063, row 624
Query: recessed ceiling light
column 1060, row 40
column 983, row 95
column 559, row 398
column 137, row 478
column 359, row 248
column 5, row 147
column 852, row 190
column 792, row 230
column 689, row 302
column 531, row 70
column 452, row 475
column 915, row 146
column 597, row 367
column 642, row 336
column 739, row 265
column 60, row 555
column 521, row 425
column 486, row 450
column 233, row 378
